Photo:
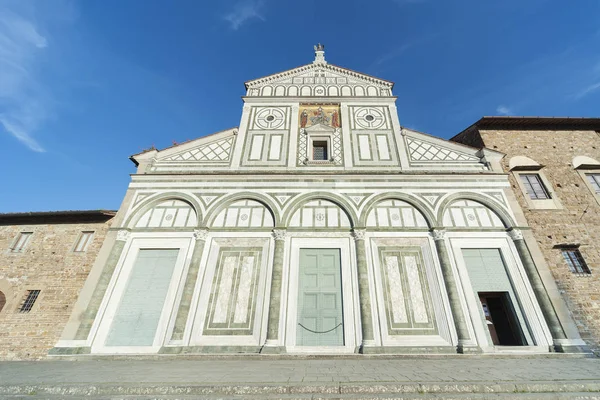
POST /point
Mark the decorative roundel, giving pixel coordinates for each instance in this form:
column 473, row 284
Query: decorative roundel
column 270, row 118
column 370, row 118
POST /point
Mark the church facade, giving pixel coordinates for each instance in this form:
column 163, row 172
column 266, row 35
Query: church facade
column 319, row 225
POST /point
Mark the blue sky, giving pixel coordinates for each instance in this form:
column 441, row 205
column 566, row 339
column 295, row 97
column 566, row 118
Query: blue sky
column 85, row 84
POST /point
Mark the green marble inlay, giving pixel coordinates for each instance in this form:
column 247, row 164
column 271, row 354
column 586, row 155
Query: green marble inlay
column 232, row 302
column 406, row 292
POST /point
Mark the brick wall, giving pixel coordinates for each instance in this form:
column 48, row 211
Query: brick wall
column 577, row 222
column 49, row 264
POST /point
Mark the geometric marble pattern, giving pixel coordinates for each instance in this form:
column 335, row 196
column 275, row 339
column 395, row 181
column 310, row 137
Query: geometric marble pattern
column 320, row 214
column 219, row 150
column 232, row 303
column 168, row 214
column 244, row 214
column 395, row 213
column 407, row 299
column 423, row 151
column 471, row 214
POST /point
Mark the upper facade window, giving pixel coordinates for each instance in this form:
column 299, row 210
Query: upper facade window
column 535, row 187
column 594, row 180
column 85, row 238
column 319, row 150
column 575, row 261
column 20, row 242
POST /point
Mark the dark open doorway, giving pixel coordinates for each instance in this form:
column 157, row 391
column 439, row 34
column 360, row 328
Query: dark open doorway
column 501, row 319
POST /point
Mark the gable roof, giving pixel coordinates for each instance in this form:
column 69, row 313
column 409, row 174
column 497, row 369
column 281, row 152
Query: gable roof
column 290, row 73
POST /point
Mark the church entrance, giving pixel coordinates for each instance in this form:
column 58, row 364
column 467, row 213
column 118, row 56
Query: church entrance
column 320, row 319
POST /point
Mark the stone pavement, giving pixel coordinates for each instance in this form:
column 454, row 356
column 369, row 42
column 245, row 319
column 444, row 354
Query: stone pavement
column 265, row 377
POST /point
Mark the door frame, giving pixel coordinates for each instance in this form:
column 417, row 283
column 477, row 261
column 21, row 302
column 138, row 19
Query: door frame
column 349, row 293
column 533, row 319
column 118, row 284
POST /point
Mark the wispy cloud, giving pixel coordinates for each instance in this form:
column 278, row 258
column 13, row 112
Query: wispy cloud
column 244, row 11
column 22, row 106
column 399, row 50
column 504, row 110
column 586, row 91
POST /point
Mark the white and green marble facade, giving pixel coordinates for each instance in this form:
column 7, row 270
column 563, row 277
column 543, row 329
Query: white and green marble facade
column 233, row 211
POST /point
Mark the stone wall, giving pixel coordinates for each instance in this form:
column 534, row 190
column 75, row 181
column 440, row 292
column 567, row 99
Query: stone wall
column 48, row 263
column 577, row 222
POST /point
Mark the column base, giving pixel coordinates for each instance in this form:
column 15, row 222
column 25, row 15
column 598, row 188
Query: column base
column 365, row 347
column 468, row 349
column 570, row 346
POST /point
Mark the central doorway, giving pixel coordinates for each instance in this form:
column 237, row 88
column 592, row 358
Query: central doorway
column 320, row 319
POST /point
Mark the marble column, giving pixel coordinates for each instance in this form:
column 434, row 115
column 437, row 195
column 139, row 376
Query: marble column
column 273, row 344
column 439, row 237
column 366, row 318
column 88, row 317
column 190, row 283
column 538, row 286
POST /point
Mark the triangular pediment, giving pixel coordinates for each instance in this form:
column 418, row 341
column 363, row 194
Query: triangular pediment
column 319, row 128
column 319, row 74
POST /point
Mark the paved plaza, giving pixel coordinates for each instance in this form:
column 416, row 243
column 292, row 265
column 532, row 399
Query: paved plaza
column 247, row 376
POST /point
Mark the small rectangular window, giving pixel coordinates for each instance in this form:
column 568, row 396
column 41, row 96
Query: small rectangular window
column 594, row 180
column 29, row 301
column 534, row 186
column 85, row 238
column 575, row 261
column 320, row 150
column 21, row 242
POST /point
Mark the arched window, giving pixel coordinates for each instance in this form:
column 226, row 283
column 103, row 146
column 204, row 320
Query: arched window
column 320, row 214
column 169, row 214
column 471, row 214
column 395, row 213
column 244, row 214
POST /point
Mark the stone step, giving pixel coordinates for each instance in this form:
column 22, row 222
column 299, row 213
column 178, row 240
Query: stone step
column 446, row 396
column 271, row 391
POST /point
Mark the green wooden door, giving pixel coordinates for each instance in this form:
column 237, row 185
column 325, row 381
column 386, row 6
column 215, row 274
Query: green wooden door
column 320, row 315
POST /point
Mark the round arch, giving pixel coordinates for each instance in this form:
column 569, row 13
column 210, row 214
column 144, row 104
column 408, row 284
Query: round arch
column 153, row 200
column 227, row 200
column 303, row 199
column 412, row 200
column 493, row 205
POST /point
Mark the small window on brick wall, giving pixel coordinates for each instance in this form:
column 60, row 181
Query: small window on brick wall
column 575, row 261
column 21, row 242
column 535, row 187
column 29, row 301
column 84, row 240
column 594, row 180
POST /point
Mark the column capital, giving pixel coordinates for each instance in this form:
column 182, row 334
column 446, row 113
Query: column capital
column 201, row 234
column 359, row 234
column 123, row 235
column 280, row 234
column 438, row 233
column 515, row 234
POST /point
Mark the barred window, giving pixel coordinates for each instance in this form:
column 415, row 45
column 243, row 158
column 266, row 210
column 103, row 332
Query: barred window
column 534, row 187
column 575, row 261
column 84, row 240
column 21, row 242
column 594, row 180
column 320, row 150
column 29, row 301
